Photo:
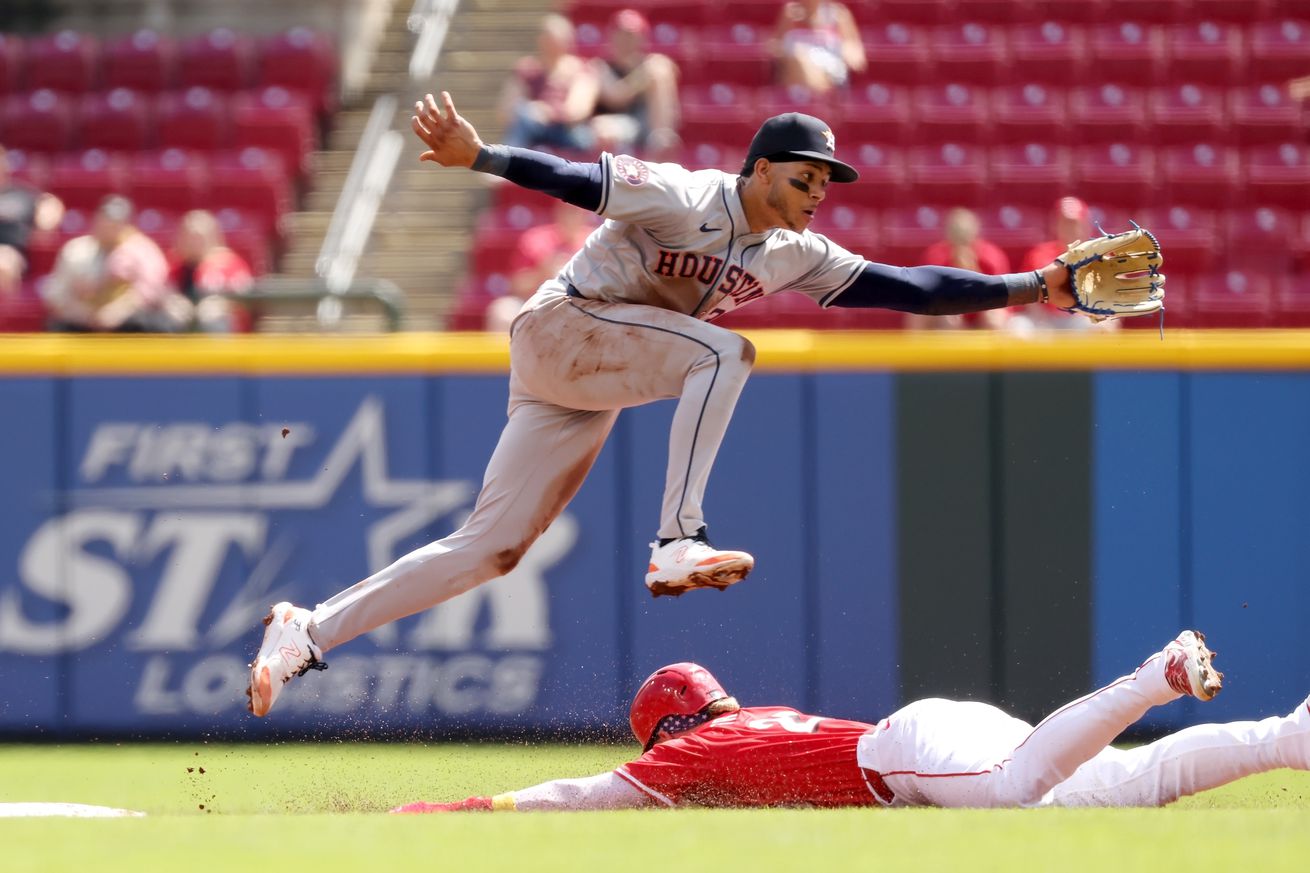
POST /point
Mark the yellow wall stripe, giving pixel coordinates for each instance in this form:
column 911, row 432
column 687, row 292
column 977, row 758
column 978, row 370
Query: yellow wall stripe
column 778, row 350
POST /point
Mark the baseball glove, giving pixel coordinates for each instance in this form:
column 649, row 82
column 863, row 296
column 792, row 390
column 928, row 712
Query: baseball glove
column 1116, row 275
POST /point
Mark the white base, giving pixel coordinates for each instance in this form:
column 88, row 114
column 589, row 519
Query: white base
column 67, row 810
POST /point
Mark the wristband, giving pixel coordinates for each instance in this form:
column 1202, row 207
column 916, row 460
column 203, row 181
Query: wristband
column 1046, row 292
column 503, row 803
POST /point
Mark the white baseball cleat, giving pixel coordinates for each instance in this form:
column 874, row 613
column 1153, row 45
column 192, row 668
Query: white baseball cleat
column 1188, row 668
column 287, row 652
column 690, row 563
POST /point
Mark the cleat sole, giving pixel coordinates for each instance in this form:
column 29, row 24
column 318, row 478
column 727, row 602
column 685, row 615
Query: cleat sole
column 720, row 577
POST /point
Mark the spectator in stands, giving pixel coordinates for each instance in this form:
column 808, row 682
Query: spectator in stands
column 1299, row 88
column 1071, row 220
column 22, row 210
column 817, row 45
column 541, row 253
column 550, row 98
column 963, row 247
column 210, row 275
column 113, row 279
column 637, row 106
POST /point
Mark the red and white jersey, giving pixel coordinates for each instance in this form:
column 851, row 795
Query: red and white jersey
column 761, row 756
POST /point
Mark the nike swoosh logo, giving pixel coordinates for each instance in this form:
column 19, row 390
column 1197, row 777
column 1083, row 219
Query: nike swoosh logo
column 705, row 228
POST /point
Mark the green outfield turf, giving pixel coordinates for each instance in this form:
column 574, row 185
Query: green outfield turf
column 318, row 807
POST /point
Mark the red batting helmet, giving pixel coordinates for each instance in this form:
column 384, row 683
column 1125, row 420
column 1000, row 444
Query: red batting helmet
column 678, row 689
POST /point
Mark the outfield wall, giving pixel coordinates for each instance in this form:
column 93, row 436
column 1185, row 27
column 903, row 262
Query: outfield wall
column 950, row 514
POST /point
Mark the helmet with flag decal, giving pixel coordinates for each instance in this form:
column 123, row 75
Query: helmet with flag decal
column 674, row 699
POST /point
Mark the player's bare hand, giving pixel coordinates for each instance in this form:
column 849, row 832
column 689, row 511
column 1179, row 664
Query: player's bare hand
column 451, row 141
column 1057, row 281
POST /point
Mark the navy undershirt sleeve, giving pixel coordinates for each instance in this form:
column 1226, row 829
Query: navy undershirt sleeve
column 931, row 290
column 572, row 182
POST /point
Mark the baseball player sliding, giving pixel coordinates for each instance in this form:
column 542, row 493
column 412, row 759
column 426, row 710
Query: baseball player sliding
column 629, row 320
column 703, row 749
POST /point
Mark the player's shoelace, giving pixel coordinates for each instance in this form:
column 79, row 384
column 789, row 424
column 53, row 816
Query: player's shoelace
column 314, row 664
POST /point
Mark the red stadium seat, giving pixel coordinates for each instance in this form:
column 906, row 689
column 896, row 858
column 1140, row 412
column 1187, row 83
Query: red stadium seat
column 1128, row 52
column 1160, row 11
column 1052, row 52
column 851, row 227
column 1013, row 228
column 970, row 52
column 953, row 112
column 22, row 313
column 998, row 11
column 1117, row 174
column 1279, row 50
column 253, row 180
column 1292, row 301
column 1029, row 113
column 1301, row 243
column 1072, row 11
column 1108, row 113
column 1187, row 113
column 83, row 179
column 907, row 232
column 1265, row 114
column 877, row 111
column 159, row 225
column 66, row 61
column 740, row 54
column 1236, row 298
column 775, row 99
column 31, row 168
column 1190, row 238
column 915, row 11
column 119, row 120
column 172, row 180
column 1279, row 175
column 1205, row 51
column 681, row 44
column 41, row 121
column 302, row 60
column 143, row 61
column 1033, row 173
column 598, row 12
column 221, row 59
column 244, row 234
column 759, row 13
column 722, row 113
column 1262, row 237
column 897, row 52
column 1241, row 11
column 720, row 156
column 196, row 118
column 11, row 63
column 276, row 119
column 884, row 177
column 1202, row 174
column 589, row 40
column 952, row 173
column 683, row 13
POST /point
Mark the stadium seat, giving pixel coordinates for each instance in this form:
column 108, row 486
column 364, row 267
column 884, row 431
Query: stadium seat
column 1108, row 113
column 741, row 55
column 1072, row 11
column 952, row 173
column 221, row 59
column 1239, row 11
column 253, row 180
column 1279, row 50
column 721, row 113
column 1158, row 11
column 1029, row 113
column 1187, row 113
column 276, row 119
column 159, row 225
column 11, row 63
column 1014, row 228
column 196, row 118
column 720, row 156
column 851, row 227
column 775, row 99
column 31, row 168
column 1117, row 174
column 875, row 112
column 1033, row 173
column 301, row 60
column 1292, row 301
column 970, row 52
column 884, row 177
column 682, row 45
column 1265, row 114
column 172, row 180
column 598, row 12
column 1279, row 175
column 119, row 120
column 758, row 13
column 1235, row 298
column 907, row 232
column 1128, row 52
column 41, row 121
column 1189, row 238
column 1201, row 174
column 915, row 11
column 22, row 313
column 897, row 52
column 997, row 11
column 245, row 235
column 683, row 13
column 143, row 61
column 82, row 179
column 1261, row 236
column 65, row 61
column 1051, row 52
column 955, row 112
column 1206, row 52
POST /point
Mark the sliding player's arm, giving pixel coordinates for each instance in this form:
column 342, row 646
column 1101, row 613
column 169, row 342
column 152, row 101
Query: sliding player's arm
column 603, row 791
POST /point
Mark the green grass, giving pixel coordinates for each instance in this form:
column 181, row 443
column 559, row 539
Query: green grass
column 318, row 808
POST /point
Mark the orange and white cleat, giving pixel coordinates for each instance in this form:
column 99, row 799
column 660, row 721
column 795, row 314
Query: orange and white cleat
column 691, row 562
column 287, row 652
column 1188, row 667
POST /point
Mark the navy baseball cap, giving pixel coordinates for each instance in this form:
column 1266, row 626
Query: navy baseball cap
column 794, row 136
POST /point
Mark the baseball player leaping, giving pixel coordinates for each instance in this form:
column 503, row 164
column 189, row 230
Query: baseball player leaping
column 702, row 749
column 628, row 321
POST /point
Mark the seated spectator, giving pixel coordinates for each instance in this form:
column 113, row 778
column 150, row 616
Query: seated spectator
column 1071, row 221
column 550, row 98
column 964, row 247
column 817, row 45
column 637, row 107
column 541, row 253
column 210, row 275
column 113, row 279
column 22, row 209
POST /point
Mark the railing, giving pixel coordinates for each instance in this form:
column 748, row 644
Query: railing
column 331, row 302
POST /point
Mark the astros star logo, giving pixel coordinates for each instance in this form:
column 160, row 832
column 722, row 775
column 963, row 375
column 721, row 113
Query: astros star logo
column 829, row 140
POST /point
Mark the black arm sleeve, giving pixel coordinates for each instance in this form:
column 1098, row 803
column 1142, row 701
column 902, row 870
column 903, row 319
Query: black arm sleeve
column 578, row 184
column 935, row 290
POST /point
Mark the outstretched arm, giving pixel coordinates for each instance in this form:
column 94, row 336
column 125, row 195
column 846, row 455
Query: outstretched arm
column 948, row 291
column 604, row 791
column 453, row 142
